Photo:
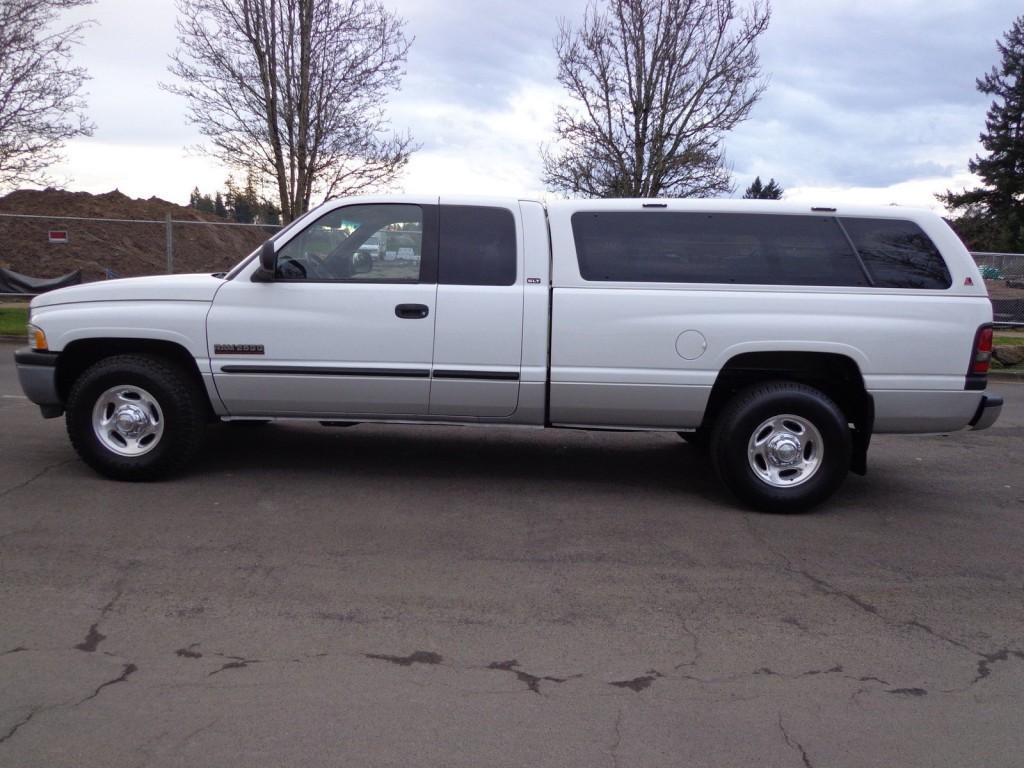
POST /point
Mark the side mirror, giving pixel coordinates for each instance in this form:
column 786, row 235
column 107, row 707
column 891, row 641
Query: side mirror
column 268, row 256
column 362, row 263
column 268, row 264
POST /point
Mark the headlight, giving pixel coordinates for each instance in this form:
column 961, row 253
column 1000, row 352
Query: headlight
column 36, row 338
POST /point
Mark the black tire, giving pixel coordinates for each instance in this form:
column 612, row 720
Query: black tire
column 182, row 404
column 750, row 409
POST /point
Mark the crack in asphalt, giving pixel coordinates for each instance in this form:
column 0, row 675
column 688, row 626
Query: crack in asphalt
column 532, row 681
column 24, row 721
column 19, row 649
column 36, row 476
column 92, row 640
column 867, row 679
column 795, row 622
column 192, row 734
column 837, row 669
column 828, row 588
column 915, row 624
column 127, row 670
column 695, row 639
column 417, row 657
column 794, row 744
column 985, row 660
column 94, row 637
column 188, row 653
column 237, row 662
column 768, row 672
column 613, row 750
column 988, row 659
column 820, row 584
column 638, row 684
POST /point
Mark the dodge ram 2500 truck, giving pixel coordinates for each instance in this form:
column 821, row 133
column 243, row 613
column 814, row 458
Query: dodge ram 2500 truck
column 776, row 337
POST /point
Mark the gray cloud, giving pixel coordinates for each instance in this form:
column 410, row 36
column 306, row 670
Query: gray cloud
column 870, row 95
column 861, row 94
column 476, row 53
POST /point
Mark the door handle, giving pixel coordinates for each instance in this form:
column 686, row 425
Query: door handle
column 412, row 311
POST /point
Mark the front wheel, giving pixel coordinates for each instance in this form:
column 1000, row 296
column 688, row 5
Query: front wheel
column 135, row 417
column 781, row 446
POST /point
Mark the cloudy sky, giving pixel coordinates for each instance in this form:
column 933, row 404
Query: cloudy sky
column 870, row 101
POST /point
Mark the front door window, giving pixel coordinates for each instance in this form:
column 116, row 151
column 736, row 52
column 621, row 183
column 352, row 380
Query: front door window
column 370, row 243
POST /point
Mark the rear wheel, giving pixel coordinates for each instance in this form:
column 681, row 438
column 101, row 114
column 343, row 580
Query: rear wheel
column 136, row 417
column 781, row 446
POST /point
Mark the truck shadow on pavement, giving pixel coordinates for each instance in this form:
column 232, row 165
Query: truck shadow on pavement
column 633, row 465
column 655, row 462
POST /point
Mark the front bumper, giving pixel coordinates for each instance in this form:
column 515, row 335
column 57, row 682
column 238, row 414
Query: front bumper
column 988, row 411
column 37, row 374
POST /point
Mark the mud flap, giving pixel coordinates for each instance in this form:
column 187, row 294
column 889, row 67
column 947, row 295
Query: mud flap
column 863, row 425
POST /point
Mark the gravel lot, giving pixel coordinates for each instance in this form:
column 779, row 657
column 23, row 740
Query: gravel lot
column 396, row 596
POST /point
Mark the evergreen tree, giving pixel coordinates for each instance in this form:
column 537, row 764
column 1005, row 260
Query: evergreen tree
column 992, row 216
column 759, row 191
column 200, row 202
column 242, row 201
column 270, row 213
column 229, row 197
column 218, row 206
column 246, row 205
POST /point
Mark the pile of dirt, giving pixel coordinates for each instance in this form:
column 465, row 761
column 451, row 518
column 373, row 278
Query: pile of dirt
column 1001, row 289
column 127, row 249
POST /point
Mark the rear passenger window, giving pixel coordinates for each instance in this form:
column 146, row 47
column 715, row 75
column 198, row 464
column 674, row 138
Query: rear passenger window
column 748, row 249
column 898, row 254
column 478, row 246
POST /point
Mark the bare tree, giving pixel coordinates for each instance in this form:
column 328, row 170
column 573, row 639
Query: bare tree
column 40, row 102
column 293, row 91
column 655, row 84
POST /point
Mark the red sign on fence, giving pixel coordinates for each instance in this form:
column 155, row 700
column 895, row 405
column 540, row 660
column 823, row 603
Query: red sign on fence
column 58, row 235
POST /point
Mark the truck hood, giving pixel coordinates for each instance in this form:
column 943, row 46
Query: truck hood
column 159, row 288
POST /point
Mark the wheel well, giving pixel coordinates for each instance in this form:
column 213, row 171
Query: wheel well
column 79, row 355
column 836, row 375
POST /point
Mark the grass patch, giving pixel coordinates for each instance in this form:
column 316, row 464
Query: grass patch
column 1008, row 341
column 12, row 321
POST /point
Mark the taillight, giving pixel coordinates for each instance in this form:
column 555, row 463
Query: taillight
column 982, row 351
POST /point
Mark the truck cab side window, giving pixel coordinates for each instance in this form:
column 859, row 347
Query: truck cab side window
column 478, row 246
column 373, row 243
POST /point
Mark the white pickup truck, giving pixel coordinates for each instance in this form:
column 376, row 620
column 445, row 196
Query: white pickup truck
column 776, row 337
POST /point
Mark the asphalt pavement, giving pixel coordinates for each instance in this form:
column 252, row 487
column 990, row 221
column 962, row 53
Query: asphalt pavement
column 440, row 596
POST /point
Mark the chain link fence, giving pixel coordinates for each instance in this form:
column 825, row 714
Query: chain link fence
column 104, row 248
column 45, row 246
column 1004, row 276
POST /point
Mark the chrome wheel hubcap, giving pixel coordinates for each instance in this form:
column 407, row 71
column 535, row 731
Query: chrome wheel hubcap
column 785, row 450
column 128, row 420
